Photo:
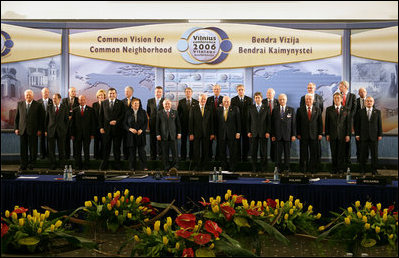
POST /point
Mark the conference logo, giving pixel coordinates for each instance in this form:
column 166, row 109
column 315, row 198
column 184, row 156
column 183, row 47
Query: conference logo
column 208, row 45
column 6, row 43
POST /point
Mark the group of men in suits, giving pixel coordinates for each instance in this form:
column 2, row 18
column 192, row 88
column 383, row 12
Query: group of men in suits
column 239, row 126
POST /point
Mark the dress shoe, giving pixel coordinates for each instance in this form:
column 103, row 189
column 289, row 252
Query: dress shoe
column 22, row 168
column 375, row 172
column 30, row 167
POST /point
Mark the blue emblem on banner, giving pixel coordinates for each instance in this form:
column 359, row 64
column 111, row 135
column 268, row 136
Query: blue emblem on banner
column 6, row 43
column 208, row 45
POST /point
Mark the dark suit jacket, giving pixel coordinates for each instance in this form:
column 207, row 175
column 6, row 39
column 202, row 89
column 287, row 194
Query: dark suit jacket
column 139, row 124
column 350, row 103
column 41, row 102
column 152, row 112
column 96, row 107
column 201, row 127
column 56, row 123
column 226, row 130
column 337, row 126
column 283, row 128
column 67, row 103
column 107, row 115
column 184, row 111
column 210, row 101
column 83, row 126
column 127, row 107
column 369, row 130
column 317, row 102
column 309, row 129
column 32, row 122
column 258, row 123
column 244, row 108
column 275, row 105
column 168, row 126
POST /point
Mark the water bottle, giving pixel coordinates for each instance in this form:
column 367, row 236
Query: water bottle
column 65, row 173
column 214, row 175
column 348, row 175
column 70, row 173
column 220, row 175
column 276, row 176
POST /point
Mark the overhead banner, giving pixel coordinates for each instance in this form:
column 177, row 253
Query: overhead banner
column 22, row 44
column 205, row 46
column 380, row 44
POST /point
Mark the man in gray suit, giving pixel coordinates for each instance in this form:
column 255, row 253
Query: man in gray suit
column 28, row 125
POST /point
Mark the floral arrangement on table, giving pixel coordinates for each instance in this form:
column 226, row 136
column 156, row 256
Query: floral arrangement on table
column 365, row 226
column 34, row 231
column 116, row 210
column 187, row 238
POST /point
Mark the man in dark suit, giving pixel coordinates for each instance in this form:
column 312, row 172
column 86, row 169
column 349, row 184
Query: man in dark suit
column 112, row 113
column 83, row 130
column 168, row 131
column 309, row 129
column 28, row 125
column 101, row 95
column 360, row 104
column 56, row 127
column 135, row 124
column 337, row 129
column 258, row 131
column 45, row 101
column 271, row 103
column 228, row 130
column 153, row 106
column 369, row 132
column 71, row 102
column 243, row 103
column 283, row 131
column 349, row 102
column 214, row 102
column 201, row 131
column 183, row 109
column 127, row 103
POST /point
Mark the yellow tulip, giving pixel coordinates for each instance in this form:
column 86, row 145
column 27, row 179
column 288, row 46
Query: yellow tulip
column 364, row 219
column 41, row 224
column 126, row 192
column 318, row 216
column 290, row 204
column 109, row 196
column 262, row 214
column 138, row 200
column 24, row 214
column 286, row 216
column 215, row 209
column 212, row 246
column 29, row 217
column 116, row 213
column 165, row 240
column 34, row 212
column 322, row 228
column 117, row 193
column 226, row 196
column 146, row 220
column 260, row 232
column 372, row 213
column 118, row 203
column 377, row 229
column 177, row 246
column 234, row 198
column 384, row 217
column 259, row 204
column 310, row 208
column 52, row 227
column 297, row 201
column 379, row 206
column 210, row 199
column 165, row 227
column 47, row 214
column 350, row 210
column 347, row 221
column 267, row 209
column 357, row 204
column 275, row 212
column 157, row 225
column 109, row 206
column 359, row 215
column 148, row 231
column 385, row 211
column 123, row 199
column 16, row 207
column 277, row 203
column 264, row 204
column 103, row 200
column 390, row 236
column 195, row 228
column 368, row 205
column 367, row 226
column 39, row 230
column 199, row 223
column 14, row 216
column 21, row 222
column 291, row 198
column 58, row 223
column 291, row 211
column 229, row 192
column 35, row 220
column 218, row 199
column 7, row 213
column 87, row 204
column 169, row 221
column 281, row 204
column 95, row 199
column 129, row 215
column 136, row 238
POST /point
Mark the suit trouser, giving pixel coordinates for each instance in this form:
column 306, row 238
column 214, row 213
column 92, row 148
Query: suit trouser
column 98, row 145
column 183, row 149
column 243, row 146
column 85, row 140
column 125, row 148
column 273, row 148
column 132, row 156
column 308, row 155
column 231, row 145
column 155, row 146
column 347, row 153
column 43, row 146
column 217, row 152
column 259, row 141
column 337, row 154
column 28, row 142
column 365, row 146
column 114, row 139
column 286, row 147
column 201, row 149
column 166, row 146
column 60, row 139
column 68, row 142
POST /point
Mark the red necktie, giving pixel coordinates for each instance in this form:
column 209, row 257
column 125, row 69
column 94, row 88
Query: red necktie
column 216, row 102
column 270, row 106
column 337, row 111
column 167, row 113
column 56, row 111
column 309, row 113
column 344, row 100
column 81, row 111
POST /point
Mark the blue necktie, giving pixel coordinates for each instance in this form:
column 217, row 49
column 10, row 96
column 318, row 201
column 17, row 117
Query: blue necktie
column 258, row 108
column 282, row 112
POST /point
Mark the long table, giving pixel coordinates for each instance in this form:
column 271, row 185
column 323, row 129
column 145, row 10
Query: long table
column 324, row 195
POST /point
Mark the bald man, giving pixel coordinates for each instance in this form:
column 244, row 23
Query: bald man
column 71, row 102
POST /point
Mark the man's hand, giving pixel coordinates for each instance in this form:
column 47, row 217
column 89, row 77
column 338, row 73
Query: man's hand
column 237, row 136
column 328, row 138
column 249, row 135
column 273, row 139
column 299, row 137
column 139, row 132
column 158, row 137
column 17, row 132
column 320, row 137
column 357, row 138
column 45, row 133
column 293, row 138
column 102, row 131
column 92, row 137
column 178, row 136
column 212, row 137
column 347, row 138
column 113, row 122
column 267, row 135
column 379, row 138
column 39, row 133
column 191, row 137
column 69, row 117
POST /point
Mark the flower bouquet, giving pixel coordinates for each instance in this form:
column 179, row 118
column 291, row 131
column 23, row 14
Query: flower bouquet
column 34, row 232
column 365, row 226
column 187, row 238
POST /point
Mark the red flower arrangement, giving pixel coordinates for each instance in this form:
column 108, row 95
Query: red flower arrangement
column 202, row 239
column 228, row 212
column 186, row 221
column 212, row 227
column 188, row 252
